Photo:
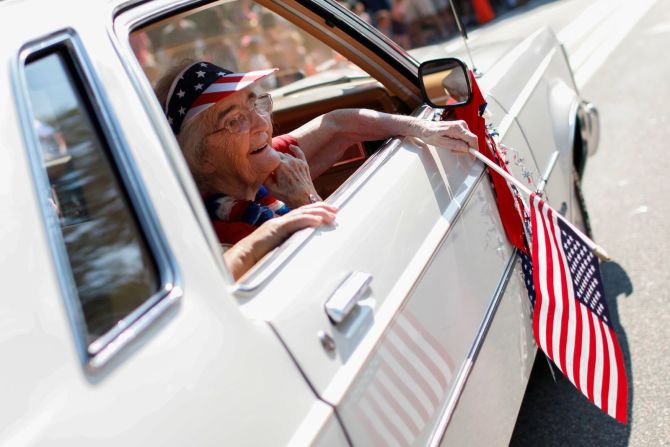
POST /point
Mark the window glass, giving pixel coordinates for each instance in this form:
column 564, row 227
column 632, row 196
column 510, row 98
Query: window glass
column 241, row 35
column 112, row 267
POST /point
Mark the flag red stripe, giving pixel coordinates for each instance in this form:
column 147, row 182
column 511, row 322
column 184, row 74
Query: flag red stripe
column 388, row 424
column 536, row 276
column 549, row 281
column 398, row 409
column 622, row 382
column 604, row 401
column 210, row 98
column 405, row 391
column 439, row 347
column 226, row 79
column 590, row 382
column 423, row 357
column 563, row 332
column 370, row 429
column 577, row 359
column 414, row 373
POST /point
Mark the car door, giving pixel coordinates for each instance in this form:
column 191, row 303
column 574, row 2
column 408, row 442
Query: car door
column 422, row 225
column 386, row 313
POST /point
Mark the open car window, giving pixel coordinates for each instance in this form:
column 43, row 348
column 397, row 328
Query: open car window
column 241, row 35
column 312, row 78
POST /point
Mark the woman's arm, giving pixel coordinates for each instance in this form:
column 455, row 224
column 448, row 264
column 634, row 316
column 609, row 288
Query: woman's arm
column 325, row 138
column 248, row 251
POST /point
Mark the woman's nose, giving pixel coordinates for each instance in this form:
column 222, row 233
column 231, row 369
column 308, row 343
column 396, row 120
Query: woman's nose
column 259, row 122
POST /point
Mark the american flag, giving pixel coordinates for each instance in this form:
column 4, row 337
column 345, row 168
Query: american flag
column 570, row 319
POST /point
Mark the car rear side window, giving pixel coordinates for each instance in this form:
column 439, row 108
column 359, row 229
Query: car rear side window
column 112, row 268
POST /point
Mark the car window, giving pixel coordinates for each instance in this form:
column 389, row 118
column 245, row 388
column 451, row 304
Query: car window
column 241, row 35
column 114, row 272
column 312, row 78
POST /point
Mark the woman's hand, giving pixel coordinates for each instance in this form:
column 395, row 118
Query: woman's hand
column 247, row 252
column 291, row 182
column 453, row 135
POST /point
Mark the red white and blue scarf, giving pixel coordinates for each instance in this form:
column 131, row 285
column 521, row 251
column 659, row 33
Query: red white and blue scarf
column 253, row 212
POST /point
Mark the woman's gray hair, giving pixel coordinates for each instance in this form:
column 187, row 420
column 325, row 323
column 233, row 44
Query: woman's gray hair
column 192, row 134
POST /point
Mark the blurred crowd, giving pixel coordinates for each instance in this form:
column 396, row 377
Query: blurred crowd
column 242, row 35
column 415, row 23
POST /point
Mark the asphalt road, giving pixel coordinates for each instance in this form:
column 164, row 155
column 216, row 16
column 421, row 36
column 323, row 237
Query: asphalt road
column 619, row 51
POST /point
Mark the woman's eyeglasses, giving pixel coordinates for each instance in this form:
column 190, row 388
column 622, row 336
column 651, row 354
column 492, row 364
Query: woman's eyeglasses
column 240, row 120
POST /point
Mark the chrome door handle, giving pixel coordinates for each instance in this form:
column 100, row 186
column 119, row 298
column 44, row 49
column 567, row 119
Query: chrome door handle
column 342, row 301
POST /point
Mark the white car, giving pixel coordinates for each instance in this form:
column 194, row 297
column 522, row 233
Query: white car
column 407, row 324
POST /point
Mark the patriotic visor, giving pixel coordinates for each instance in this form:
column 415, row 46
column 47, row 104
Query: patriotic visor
column 201, row 85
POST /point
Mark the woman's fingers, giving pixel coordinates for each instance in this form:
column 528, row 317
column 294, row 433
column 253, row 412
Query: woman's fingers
column 320, row 205
column 297, row 152
column 458, row 130
column 455, row 145
column 453, row 135
column 322, row 210
column 306, row 216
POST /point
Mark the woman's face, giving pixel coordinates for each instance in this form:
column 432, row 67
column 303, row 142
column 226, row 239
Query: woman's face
column 238, row 145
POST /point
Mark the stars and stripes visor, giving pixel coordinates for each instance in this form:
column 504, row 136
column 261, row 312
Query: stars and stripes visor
column 201, row 85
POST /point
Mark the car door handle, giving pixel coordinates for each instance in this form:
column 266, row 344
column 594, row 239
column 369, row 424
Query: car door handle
column 344, row 298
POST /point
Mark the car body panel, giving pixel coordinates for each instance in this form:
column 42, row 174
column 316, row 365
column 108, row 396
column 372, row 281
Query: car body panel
column 442, row 332
column 499, row 374
column 174, row 383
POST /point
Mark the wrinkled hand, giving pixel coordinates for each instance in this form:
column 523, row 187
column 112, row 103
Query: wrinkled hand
column 453, row 135
column 292, row 182
column 247, row 252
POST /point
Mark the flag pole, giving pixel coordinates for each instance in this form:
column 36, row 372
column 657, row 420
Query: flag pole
column 595, row 248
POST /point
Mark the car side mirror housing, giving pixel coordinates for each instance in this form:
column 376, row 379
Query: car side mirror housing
column 445, row 83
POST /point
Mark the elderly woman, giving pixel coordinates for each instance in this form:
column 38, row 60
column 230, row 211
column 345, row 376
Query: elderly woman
column 250, row 181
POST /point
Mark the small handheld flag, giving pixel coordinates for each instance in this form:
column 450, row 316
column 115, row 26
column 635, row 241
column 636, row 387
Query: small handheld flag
column 571, row 323
column 570, row 319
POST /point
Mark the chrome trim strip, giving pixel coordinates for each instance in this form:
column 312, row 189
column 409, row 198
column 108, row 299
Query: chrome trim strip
column 267, row 266
column 464, row 373
column 547, row 171
column 94, row 356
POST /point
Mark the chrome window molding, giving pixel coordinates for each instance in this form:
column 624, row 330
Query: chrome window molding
column 465, row 370
column 98, row 353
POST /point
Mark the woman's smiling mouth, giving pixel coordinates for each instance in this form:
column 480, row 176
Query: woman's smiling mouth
column 260, row 149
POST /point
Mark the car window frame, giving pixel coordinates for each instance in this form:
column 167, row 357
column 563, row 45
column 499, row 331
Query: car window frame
column 95, row 355
column 131, row 17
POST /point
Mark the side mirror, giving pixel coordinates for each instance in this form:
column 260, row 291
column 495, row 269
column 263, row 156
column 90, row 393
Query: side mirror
column 445, row 83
